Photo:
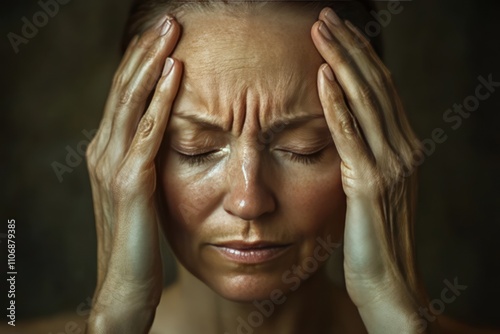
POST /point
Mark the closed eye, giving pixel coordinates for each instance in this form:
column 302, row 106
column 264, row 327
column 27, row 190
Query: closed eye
column 198, row 158
column 306, row 158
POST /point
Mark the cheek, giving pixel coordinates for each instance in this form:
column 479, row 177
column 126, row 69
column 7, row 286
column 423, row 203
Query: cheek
column 316, row 202
column 187, row 202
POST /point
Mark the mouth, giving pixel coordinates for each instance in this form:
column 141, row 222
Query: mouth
column 250, row 253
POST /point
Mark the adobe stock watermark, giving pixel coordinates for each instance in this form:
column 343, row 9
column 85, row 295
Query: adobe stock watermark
column 74, row 157
column 294, row 277
column 381, row 20
column 454, row 118
column 437, row 306
column 30, row 28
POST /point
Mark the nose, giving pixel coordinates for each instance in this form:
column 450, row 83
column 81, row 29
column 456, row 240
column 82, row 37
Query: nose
column 249, row 195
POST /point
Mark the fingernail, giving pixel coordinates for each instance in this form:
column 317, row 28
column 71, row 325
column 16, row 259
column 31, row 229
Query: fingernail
column 332, row 17
column 166, row 26
column 169, row 64
column 323, row 29
column 327, row 71
column 160, row 23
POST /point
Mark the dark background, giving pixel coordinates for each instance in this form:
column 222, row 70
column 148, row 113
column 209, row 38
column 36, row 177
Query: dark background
column 56, row 85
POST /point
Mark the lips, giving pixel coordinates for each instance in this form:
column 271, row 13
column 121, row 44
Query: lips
column 250, row 253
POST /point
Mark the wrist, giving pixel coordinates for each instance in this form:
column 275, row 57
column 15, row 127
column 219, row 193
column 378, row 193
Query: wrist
column 391, row 309
column 387, row 317
column 113, row 320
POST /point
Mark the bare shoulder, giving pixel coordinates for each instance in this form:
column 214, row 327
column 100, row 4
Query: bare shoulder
column 452, row 326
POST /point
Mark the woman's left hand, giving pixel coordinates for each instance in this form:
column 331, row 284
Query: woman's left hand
column 376, row 146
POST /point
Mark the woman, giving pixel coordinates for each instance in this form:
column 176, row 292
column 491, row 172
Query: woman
column 266, row 139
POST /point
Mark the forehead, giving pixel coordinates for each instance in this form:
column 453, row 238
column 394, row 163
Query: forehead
column 263, row 57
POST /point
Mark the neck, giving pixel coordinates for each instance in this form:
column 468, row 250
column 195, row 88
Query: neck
column 309, row 309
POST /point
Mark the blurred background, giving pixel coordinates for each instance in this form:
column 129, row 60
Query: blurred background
column 53, row 92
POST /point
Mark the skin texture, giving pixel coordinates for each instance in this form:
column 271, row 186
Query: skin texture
column 253, row 187
column 249, row 189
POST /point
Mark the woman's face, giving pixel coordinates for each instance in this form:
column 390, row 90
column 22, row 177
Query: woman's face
column 249, row 172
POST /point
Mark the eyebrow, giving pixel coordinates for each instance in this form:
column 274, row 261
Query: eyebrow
column 289, row 123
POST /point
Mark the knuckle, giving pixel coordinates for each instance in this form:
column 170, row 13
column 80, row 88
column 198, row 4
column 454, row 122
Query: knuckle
column 126, row 96
column 347, row 123
column 347, row 127
column 136, row 93
column 90, row 154
column 365, row 92
column 153, row 51
column 151, row 55
column 100, row 172
column 145, row 41
column 365, row 95
column 130, row 95
column 146, row 126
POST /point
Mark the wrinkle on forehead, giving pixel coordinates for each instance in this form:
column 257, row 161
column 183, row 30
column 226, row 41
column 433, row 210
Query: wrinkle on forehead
column 255, row 65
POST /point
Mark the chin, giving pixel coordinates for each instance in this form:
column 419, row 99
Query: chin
column 247, row 288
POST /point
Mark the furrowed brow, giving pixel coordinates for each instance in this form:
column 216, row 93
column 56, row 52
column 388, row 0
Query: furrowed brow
column 201, row 122
column 292, row 122
column 287, row 123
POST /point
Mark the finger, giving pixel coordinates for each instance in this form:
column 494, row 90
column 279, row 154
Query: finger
column 397, row 121
column 398, row 136
column 134, row 95
column 356, row 46
column 102, row 136
column 343, row 126
column 366, row 48
column 151, row 128
column 145, row 41
column 130, row 61
column 359, row 94
column 128, row 54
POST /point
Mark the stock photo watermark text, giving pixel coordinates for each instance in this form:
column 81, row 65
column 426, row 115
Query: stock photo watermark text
column 74, row 157
column 437, row 306
column 11, row 272
column 30, row 28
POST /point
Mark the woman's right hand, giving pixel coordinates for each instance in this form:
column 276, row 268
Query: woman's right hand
column 121, row 163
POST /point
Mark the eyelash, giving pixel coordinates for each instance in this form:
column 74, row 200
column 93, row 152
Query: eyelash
column 307, row 159
column 198, row 159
